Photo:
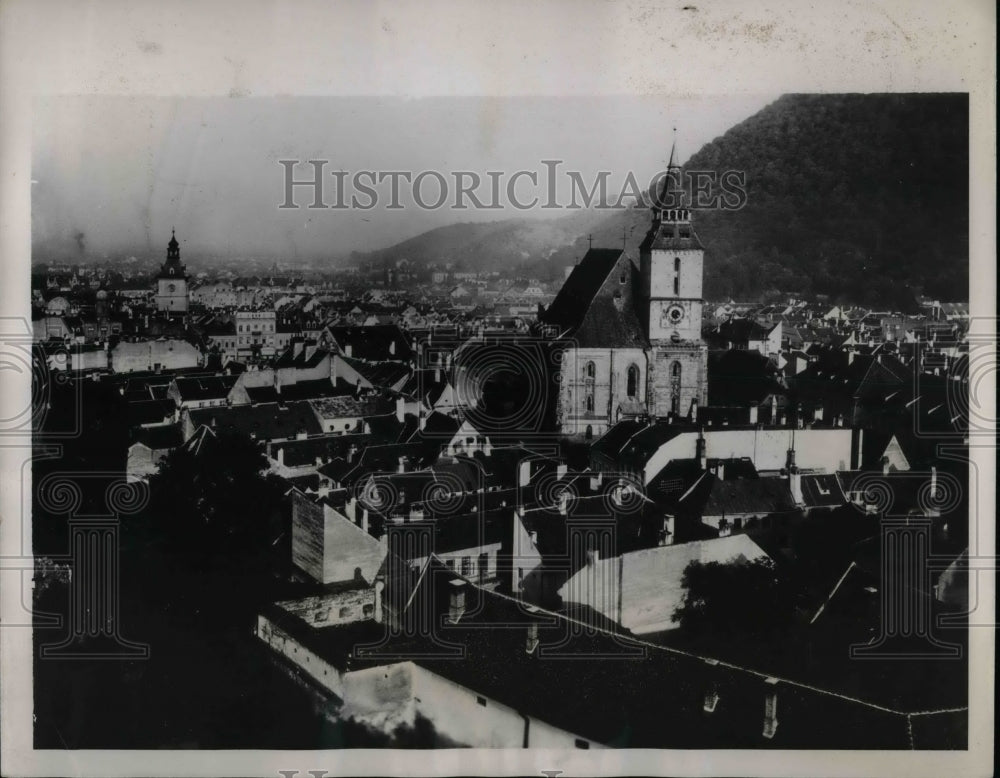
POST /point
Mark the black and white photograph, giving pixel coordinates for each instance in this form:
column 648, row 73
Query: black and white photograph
column 530, row 389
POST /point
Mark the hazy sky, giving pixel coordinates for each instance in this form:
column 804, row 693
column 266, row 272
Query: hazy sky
column 113, row 174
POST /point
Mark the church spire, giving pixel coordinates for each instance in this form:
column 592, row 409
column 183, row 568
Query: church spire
column 172, row 268
column 670, row 205
column 672, row 163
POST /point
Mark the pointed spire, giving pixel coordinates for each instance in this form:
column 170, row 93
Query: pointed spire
column 672, row 163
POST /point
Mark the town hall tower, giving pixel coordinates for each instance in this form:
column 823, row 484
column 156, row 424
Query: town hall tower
column 172, row 282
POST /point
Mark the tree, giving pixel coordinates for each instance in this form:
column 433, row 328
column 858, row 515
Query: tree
column 213, row 526
column 738, row 596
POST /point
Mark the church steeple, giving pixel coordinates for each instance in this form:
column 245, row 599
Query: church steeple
column 670, row 204
column 172, row 268
column 173, row 248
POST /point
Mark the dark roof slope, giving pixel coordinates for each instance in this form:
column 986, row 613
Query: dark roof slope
column 595, row 307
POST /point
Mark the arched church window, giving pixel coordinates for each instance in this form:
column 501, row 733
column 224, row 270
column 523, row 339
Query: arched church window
column 590, row 432
column 675, row 388
column 632, row 381
column 590, row 371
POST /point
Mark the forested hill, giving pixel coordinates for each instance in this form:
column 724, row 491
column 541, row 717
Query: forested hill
column 856, row 196
column 860, row 197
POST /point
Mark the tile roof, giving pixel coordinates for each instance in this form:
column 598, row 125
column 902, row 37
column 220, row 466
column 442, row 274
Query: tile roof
column 593, row 308
column 205, row 388
column 267, row 421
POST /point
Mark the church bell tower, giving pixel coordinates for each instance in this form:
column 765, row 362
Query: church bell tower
column 671, row 262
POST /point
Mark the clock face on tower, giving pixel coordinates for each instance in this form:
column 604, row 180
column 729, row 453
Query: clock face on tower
column 172, row 288
column 672, row 316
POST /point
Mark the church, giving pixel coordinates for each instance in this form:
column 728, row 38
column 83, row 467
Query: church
column 172, row 282
column 631, row 336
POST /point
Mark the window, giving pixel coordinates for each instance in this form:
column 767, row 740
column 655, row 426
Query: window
column 481, row 700
column 675, row 387
column 466, row 566
column 632, row 382
column 345, row 612
column 677, row 285
column 590, row 432
column 590, row 371
column 621, row 278
column 450, row 564
column 582, row 743
column 677, row 264
column 484, row 566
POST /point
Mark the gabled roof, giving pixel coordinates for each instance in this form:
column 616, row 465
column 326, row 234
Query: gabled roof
column 160, row 438
column 570, row 305
column 714, row 497
column 264, row 422
column 594, row 309
column 205, row 388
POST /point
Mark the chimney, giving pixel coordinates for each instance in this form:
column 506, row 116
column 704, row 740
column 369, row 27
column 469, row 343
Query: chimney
column 564, row 502
column 422, row 418
column 770, row 707
column 531, row 642
column 932, row 496
column 667, row 533
column 402, row 465
column 400, row 410
column 693, row 413
column 711, row 700
column 351, row 453
column 561, row 469
column 365, row 525
column 348, row 350
column 392, row 347
column 753, row 414
column 794, row 478
column 379, row 587
column 885, row 465
column 281, row 456
column 701, row 448
column 456, row 600
column 720, row 470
